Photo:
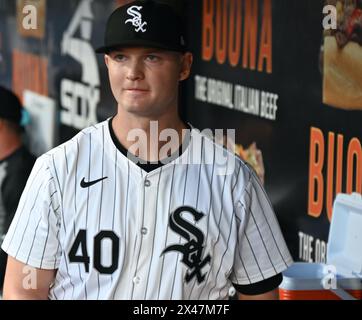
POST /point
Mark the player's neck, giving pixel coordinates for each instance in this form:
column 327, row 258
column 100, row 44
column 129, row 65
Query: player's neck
column 141, row 136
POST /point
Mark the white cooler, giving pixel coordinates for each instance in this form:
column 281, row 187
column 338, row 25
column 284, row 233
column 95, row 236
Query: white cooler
column 341, row 276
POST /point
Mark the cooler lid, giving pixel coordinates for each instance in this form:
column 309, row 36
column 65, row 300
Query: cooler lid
column 345, row 236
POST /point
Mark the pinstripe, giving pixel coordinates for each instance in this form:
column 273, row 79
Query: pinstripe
column 46, row 238
column 89, row 166
column 55, row 260
column 86, row 217
column 270, row 228
column 75, row 187
column 134, row 249
column 32, row 243
column 100, row 206
column 56, row 298
column 76, row 211
column 114, row 202
column 239, row 253
column 201, row 164
column 218, row 237
column 46, row 241
column 61, row 284
column 67, row 270
column 66, row 160
column 179, row 241
column 154, row 229
column 65, row 230
column 261, row 237
column 163, row 257
column 211, row 193
column 115, row 187
column 61, row 193
column 237, row 178
column 140, row 248
column 126, row 211
column 125, row 223
column 58, row 272
column 222, row 258
column 55, row 257
column 252, row 251
column 27, row 223
column 210, row 205
column 183, row 202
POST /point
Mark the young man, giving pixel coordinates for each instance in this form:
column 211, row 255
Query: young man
column 103, row 219
column 16, row 163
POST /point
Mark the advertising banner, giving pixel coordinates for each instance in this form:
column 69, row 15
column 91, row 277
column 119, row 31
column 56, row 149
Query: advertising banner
column 286, row 75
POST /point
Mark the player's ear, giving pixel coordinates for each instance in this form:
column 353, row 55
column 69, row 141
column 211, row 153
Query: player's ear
column 186, row 63
column 106, row 59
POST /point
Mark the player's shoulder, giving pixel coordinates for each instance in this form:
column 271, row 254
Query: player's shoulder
column 208, row 141
column 216, row 152
column 81, row 138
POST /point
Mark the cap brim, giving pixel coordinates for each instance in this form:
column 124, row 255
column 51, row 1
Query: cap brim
column 141, row 43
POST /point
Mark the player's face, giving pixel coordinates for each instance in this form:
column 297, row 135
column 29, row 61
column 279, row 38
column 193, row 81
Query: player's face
column 145, row 81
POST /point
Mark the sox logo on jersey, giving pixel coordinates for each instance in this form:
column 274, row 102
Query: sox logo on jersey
column 193, row 249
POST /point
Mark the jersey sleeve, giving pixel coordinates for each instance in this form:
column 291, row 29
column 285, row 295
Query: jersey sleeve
column 261, row 251
column 33, row 236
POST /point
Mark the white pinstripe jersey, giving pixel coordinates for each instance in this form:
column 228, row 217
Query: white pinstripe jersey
column 182, row 231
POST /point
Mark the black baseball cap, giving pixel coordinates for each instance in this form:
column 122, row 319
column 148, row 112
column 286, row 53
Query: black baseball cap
column 144, row 23
column 10, row 106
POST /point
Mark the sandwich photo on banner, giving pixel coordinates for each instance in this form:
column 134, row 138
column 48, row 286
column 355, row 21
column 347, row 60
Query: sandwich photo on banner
column 342, row 81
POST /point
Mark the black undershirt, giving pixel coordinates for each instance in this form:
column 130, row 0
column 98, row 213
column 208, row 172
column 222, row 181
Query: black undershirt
column 147, row 166
column 261, row 286
column 249, row 289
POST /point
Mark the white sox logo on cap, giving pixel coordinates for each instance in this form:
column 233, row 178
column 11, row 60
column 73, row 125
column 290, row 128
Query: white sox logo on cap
column 137, row 18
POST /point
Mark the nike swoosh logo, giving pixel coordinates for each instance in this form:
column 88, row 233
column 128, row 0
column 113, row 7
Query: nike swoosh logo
column 85, row 184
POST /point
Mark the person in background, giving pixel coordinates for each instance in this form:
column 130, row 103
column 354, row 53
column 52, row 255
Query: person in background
column 16, row 163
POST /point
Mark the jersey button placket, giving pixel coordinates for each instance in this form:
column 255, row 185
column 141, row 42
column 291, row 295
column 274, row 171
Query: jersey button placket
column 142, row 248
column 136, row 280
column 147, row 184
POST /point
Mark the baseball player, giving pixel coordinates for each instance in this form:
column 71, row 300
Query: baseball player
column 101, row 218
